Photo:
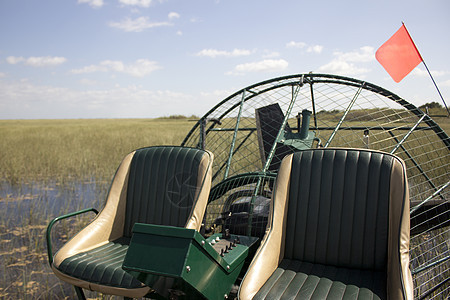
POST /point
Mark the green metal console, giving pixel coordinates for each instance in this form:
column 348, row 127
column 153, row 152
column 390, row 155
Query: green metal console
column 179, row 262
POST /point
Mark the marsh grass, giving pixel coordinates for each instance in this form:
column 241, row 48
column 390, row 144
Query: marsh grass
column 52, row 167
column 43, row 149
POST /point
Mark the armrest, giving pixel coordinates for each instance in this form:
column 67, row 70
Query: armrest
column 57, row 219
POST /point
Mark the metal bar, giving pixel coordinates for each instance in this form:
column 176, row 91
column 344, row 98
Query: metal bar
column 236, row 150
column 202, row 134
column 371, row 128
column 430, row 265
column 79, row 292
column 52, row 222
column 313, row 103
column 435, row 85
column 283, row 125
column 429, row 198
column 415, row 163
column 358, row 92
column 233, row 129
column 407, row 134
column 330, row 128
column 238, row 120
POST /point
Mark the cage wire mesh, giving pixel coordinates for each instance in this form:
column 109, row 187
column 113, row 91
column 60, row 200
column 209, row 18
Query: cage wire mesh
column 240, row 204
column 254, row 128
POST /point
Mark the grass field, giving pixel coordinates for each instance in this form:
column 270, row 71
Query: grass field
column 57, row 149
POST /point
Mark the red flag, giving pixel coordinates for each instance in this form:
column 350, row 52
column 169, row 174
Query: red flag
column 399, row 55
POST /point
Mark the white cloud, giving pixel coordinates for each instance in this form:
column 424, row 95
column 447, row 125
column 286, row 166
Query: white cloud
column 341, row 67
column 2, row 75
column 267, row 65
column 93, row 3
column 293, row 44
column 45, row 61
column 141, row 3
column 215, row 53
column 349, row 63
column 315, row 49
column 173, row 15
column 89, row 82
column 90, row 69
column 138, row 24
column 37, row 61
column 139, row 68
column 363, row 54
column 14, row 60
column 309, row 48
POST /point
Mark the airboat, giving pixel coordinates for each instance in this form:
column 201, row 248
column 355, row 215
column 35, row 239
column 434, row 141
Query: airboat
column 263, row 198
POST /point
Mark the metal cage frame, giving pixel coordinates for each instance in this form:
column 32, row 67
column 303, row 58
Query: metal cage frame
column 344, row 112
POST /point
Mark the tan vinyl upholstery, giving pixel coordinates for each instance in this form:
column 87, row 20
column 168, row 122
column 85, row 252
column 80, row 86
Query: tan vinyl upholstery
column 339, row 229
column 163, row 185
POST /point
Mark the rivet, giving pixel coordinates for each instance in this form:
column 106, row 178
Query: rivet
column 228, row 267
column 203, row 243
column 188, row 269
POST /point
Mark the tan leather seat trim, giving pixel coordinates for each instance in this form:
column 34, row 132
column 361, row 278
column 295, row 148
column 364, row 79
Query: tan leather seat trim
column 269, row 254
column 109, row 223
column 399, row 277
column 202, row 193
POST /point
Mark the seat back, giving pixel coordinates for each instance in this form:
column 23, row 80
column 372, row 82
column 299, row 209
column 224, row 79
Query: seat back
column 338, row 208
column 163, row 185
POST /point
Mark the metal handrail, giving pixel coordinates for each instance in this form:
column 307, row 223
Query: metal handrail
column 57, row 219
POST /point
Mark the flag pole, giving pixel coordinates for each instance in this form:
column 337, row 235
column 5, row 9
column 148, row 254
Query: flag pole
column 428, row 70
column 445, row 104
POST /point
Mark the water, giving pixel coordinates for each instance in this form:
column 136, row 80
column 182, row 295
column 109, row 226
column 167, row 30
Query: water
column 25, row 211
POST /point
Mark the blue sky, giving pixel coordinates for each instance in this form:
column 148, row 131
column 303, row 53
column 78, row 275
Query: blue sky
column 151, row 58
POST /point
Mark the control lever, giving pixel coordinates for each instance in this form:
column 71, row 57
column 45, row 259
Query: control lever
column 226, row 234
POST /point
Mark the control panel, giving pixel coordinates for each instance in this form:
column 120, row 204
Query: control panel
column 224, row 244
column 173, row 260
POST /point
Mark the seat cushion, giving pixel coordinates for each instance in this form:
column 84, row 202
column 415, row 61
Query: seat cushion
column 102, row 265
column 294, row 279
